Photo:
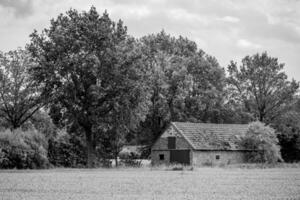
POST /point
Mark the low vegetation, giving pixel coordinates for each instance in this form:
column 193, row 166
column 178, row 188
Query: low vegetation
column 23, row 149
column 263, row 141
column 112, row 184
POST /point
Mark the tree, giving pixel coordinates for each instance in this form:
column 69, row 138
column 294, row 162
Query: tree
column 205, row 97
column 263, row 140
column 262, row 86
column 166, row 58
column 287, row 126
column 186, row 83
column 19, row 95
column 43, row 123
column 93, row 70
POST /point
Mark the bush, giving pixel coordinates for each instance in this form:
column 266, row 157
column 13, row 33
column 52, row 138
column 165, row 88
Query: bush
column 135, row 152
column 130, row 162
column 66, row 150
column 23, row 149
column 262, row 140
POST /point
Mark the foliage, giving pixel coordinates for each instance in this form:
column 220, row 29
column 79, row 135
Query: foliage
column 135, row 152
column 185, row 84
column 206, row 93
column 288, row 127
column 85, row 75
column 166, row 58
column 66, row 150
column 42, row 122
column 93, row 71
column 262, row 86
column 23, row 149
column 19, row 95
column 263, row 142
column 131, row 162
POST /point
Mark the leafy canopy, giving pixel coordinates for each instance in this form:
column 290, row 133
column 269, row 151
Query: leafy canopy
column 93, row 71
column 264, row 141
column 19, row 95
column 261, row 85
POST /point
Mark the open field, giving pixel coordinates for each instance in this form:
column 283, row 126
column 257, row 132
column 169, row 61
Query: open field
column 202, row 183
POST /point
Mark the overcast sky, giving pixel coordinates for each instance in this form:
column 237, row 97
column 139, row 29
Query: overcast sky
column 226, row 29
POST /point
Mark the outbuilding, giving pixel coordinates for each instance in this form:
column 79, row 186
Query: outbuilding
column 200, row 144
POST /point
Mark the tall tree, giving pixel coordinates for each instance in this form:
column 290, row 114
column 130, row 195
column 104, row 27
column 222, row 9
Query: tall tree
column 93, row 70
column 19, row 94
column 166, row 59
column 186, row 83
column 206, row 93
column 262, row 86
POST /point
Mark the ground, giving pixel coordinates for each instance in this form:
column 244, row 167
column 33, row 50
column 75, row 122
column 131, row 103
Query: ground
column 202, row 183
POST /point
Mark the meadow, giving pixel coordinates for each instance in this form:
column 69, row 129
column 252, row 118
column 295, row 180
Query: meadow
column 147, row 183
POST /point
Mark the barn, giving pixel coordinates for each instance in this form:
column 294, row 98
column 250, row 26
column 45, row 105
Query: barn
column 199, row 144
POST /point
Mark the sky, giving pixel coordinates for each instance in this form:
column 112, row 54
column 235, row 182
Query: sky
column 226, row 29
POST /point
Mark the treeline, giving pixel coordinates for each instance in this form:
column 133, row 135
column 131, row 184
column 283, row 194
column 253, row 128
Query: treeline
column 88, row 88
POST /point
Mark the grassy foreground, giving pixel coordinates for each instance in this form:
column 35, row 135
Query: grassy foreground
column 202, row 183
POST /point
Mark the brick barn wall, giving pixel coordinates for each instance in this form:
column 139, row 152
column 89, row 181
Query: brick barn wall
column 209, row 157
column 161, row 146
column 155, row 157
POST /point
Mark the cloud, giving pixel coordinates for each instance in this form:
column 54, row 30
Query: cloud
column 140, row 12
column 228, row 29
column 242, row 43
column 21, row 8
column 183, row 15
column 230, row 19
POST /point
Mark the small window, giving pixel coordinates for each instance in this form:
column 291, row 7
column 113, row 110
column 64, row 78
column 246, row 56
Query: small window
column 217, row 157
column 161, row 156
column 171, row 142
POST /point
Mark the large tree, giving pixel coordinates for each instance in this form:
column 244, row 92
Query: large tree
column 205, row 97
column 261, row 85
column 19, row 94
column 186, row 84
column 166, row 58
column 93, row 70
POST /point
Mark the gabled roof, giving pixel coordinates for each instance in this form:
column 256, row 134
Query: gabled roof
column 206, row 136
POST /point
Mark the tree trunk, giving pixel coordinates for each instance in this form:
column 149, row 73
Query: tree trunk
column 116, row 160
column 171, row 107
column 90, row 145
column 261, row 116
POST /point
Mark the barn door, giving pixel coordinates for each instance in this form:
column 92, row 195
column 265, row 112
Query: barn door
column 180, row 156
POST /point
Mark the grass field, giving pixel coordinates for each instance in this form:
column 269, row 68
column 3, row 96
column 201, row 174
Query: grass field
column 202, row 183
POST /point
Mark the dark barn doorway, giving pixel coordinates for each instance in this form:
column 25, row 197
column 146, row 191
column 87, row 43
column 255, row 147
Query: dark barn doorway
column 180, row 156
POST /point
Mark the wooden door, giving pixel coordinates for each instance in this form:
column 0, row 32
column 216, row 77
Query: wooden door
column 180, row 156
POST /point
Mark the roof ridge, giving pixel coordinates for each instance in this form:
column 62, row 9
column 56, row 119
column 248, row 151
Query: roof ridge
column 209, row 123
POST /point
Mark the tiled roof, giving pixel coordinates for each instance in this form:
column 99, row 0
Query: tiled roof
column 212, row 136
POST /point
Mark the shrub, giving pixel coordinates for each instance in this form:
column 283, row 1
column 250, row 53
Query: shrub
column 130, row 162
column 66, row 150
column 262, row 140
column 23, row 149
column 135, row 152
